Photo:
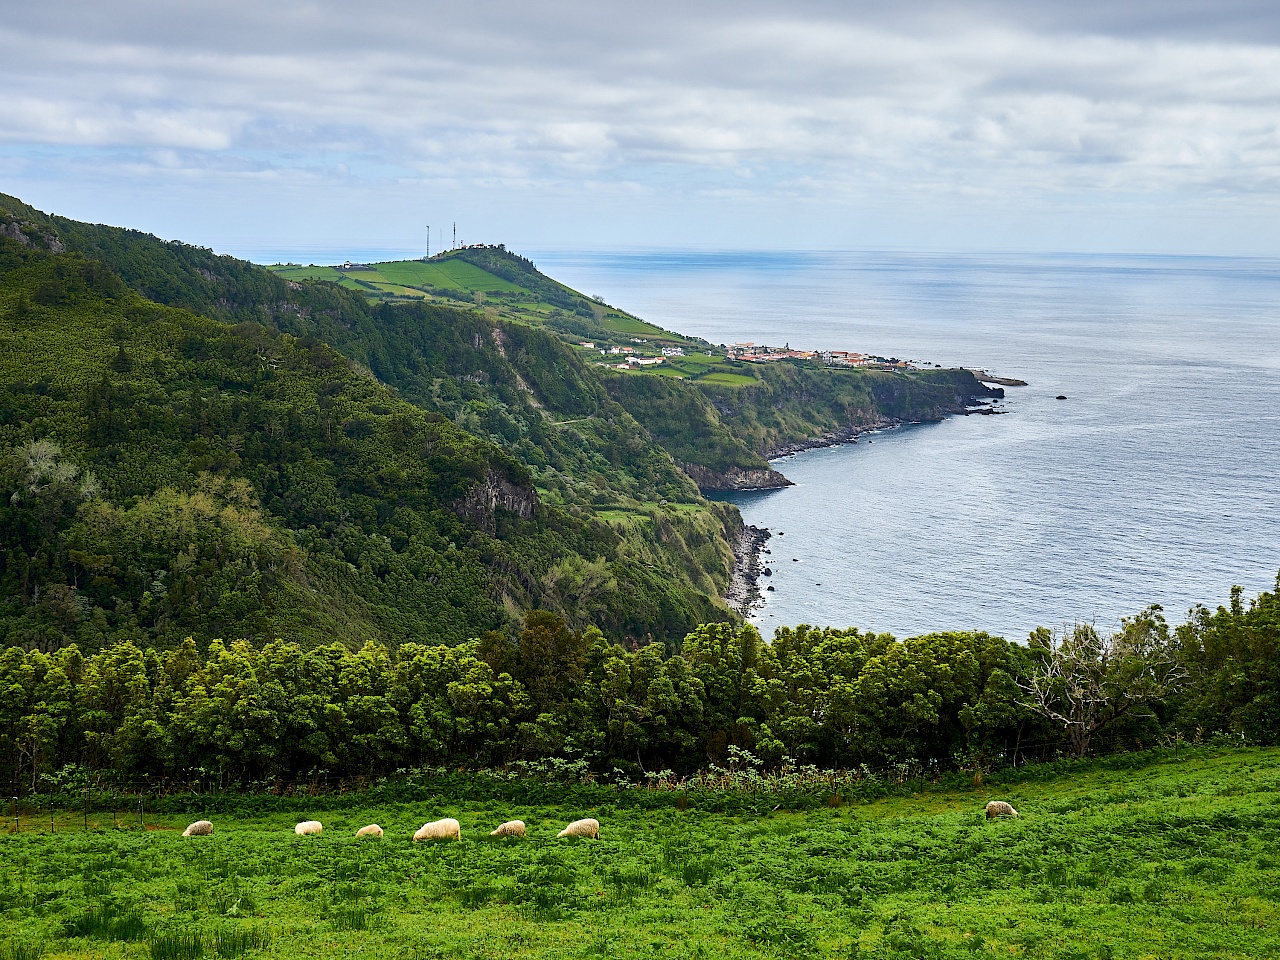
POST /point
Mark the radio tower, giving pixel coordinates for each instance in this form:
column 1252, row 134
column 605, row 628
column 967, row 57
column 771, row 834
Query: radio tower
column 455, row 234
column 428, row 256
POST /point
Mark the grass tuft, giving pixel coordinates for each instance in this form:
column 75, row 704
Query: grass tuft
column 351, row 918
column 107, row 923
column 230, row 942
column 177, row 945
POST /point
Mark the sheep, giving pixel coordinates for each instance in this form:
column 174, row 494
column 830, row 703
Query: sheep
column 446, row 829
column 201, row 828
column 512, row 828
column 372, row 830
column 582, row 828
column 308, row 828
column 998, row 808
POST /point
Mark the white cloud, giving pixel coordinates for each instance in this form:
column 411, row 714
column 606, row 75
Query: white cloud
column 1017, row 100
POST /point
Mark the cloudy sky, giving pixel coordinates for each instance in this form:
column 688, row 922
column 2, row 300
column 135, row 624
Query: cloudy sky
column 275, row 126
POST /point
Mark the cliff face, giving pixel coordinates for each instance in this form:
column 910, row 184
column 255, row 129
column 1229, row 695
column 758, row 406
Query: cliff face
column 796, row 406
column 929, row 397
column 482, row 502
column 721, row 435
column 734, row 478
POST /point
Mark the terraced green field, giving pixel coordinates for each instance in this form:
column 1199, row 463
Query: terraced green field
column 1176, row 858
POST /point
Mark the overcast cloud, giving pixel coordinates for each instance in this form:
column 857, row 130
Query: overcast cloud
column 265, row 126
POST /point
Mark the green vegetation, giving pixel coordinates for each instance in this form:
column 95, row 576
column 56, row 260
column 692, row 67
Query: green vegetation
column 166, row 475
column 356, row 515
column 825, row 698
column 793, row 402
column 262, row 532
column 1139, row 858
column 685, row 422
column 507, row 286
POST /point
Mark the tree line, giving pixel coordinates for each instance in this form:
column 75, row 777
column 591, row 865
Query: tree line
column 247, row 712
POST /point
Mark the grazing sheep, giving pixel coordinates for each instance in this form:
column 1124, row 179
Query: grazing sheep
column 201, row 828
column 582, row 828
column 512, row 828
column 446, row 829
column 372, row 830
column 308, row 828
column 998, row 808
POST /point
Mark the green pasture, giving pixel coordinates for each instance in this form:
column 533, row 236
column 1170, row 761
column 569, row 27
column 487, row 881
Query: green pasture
column 433, row 279
column 729, row 379
column 407, row 278
column 705, row 368
column 1168, row 859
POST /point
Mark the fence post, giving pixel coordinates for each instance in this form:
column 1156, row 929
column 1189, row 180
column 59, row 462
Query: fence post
column 16, row 827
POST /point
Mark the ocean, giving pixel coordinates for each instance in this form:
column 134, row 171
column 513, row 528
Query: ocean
column 1157, row 479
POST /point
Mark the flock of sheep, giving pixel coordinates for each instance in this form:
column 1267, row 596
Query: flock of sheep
column 446, row 829
column 450, row 829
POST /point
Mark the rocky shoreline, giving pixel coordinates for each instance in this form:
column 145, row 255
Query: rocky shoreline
column 975, row 405
column 834, row 439
column 743, row 593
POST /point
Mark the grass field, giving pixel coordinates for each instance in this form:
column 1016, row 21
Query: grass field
column 1167, row 859
column 454, row 281
column 729, row 379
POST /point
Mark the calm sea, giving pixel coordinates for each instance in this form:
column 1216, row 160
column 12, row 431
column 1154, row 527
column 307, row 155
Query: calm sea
column 1156, row 481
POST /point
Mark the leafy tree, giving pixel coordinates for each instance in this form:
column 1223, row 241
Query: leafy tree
column 1085, row 682
column 1232, row 655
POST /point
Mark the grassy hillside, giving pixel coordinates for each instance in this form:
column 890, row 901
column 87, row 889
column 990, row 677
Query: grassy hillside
column 1135, row 858
column 505, row 285
column 167, row 474
column 500, row 384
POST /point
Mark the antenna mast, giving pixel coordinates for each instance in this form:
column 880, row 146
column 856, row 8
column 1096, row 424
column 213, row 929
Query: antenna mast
column 428, row 256
column 455, row 234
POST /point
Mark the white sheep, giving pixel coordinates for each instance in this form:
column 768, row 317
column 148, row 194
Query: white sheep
column 201, row 828
column 446, row 829
column 308, row 828
column 512, row 828
column 582, row 828
column 372, row 830
column 998, row 808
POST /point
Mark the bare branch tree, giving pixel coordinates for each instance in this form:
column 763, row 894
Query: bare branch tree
column 1085, row 682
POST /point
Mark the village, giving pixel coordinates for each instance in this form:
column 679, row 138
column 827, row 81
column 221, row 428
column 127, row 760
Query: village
column 634, row 358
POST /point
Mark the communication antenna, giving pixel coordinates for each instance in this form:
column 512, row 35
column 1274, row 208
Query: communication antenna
column 455, row 234
column 428, row 256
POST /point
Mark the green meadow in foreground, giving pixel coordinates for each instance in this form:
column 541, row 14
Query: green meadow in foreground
column 1164, row 858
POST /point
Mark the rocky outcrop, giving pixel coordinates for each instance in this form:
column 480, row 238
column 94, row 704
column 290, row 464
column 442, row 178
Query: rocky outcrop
column 495, row 493
column 735, row 478
column 29, row 235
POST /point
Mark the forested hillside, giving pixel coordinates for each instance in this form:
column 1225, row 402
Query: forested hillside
column 168, row 475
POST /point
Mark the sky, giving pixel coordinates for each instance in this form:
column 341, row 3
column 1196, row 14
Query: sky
column 282, row 129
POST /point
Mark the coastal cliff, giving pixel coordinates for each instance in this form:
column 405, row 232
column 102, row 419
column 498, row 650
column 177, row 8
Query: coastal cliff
column 734, row 478
column 724, row 435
